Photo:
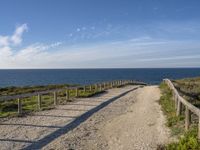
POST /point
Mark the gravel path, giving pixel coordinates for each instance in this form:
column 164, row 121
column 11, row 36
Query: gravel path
column 132, row 122
column 41, row 128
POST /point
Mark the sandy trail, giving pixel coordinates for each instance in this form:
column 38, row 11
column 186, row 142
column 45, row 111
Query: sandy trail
column 41, row 128
column 142, row 127
column 132, row 122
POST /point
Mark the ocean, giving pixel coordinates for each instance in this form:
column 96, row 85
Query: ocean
column 28, row 77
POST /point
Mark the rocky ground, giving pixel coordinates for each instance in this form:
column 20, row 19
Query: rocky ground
column 133, row 122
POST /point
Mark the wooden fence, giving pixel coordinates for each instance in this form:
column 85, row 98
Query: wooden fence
column 180, row 102
column 95, row 87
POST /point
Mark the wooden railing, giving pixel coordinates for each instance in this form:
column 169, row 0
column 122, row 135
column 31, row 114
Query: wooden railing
column 95, row 87
column 180, row 102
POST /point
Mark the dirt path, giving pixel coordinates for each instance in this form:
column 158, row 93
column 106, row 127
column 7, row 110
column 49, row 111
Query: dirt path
column 132, row 122
column 38, row 130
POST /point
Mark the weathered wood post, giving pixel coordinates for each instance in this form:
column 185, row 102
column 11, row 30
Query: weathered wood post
column 111, row 84
column 96, row 87
column 176, row 101
column 76, row 92
column 19, row 106
column 55, row 98
column 115, row 83
column 100, row 86
column 187, row 118
column 199, row 129
column 84, row 89
column 39, row 102
column 90, row 88
column 104, row 85
column 178, row 112
column 67, row 94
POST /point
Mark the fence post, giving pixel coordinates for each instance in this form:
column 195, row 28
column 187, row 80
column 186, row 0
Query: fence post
column 19, row 106
column 76, row 92
column 110, row 85
column 39, row 101
column 90, row 88
column 104, row 85
column 178, row 112
column 84, row 89
column 96, row 87
column 187, row 118
column 176, row 101
column 199, row 128
column 67, row 94
column 55, row 98
column 100, row 87
column 115, row 83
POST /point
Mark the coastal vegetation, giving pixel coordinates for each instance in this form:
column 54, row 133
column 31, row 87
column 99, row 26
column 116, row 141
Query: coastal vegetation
column 30, row 89
column 9, row 108
column 37, row 98
column 189, row 88
column 185, row 139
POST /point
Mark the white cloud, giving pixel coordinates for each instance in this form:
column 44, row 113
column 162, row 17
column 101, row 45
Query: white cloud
column 5, row 52
column 4, row 40
column 141, row 51
column 184, row 57
column 25, row 57
column 112, row 54
column 14, row 39
column 6, row 43
column 17, row 36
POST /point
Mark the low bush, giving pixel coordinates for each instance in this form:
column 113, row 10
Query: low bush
column 186, row 140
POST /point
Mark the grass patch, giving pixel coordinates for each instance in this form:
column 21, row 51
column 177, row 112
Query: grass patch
column 168, row 106
column 189, row 88
column 30, row 89
column 86, row 94
column 187, row 140
column 10, row 108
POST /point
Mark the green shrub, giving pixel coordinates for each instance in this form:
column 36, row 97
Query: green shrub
column 168, row 105
column 188, row 140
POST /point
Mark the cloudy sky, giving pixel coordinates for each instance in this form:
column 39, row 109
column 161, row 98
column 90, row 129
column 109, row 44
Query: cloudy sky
column 99, row 33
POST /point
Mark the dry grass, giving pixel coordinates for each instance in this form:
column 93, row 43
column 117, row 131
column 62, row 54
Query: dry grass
column 189, row 88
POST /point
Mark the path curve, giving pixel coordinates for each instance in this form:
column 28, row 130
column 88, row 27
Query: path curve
column 133, row 122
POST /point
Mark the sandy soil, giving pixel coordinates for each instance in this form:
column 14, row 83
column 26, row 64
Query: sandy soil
column 132, row 122
column 42, row 128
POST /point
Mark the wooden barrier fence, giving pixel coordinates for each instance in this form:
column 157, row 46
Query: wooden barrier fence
column 180, row 102
column 96, row 87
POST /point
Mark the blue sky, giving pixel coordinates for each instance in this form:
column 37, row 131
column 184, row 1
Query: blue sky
column 99, row 33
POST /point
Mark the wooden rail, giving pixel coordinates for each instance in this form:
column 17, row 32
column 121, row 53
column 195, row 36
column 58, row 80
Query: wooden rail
column 96, row 87
column 180, row 102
